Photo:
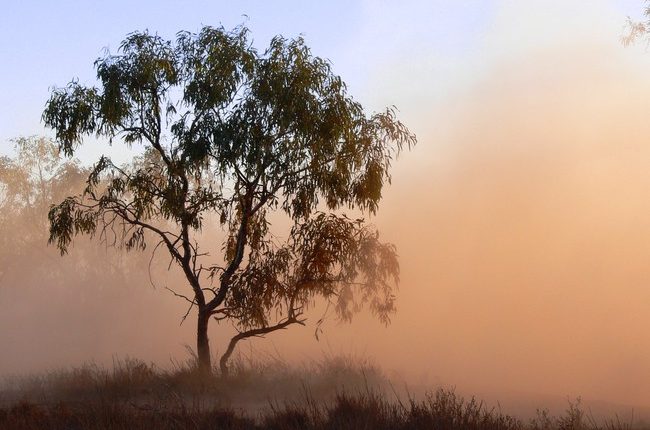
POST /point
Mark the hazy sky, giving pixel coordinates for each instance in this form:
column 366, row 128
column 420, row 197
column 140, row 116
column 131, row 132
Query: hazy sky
column 45, row 44
column 522, row 216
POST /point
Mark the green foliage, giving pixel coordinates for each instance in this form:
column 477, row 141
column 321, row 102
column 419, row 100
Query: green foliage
column 327, row 256
column 31, row 179
column 237, row 133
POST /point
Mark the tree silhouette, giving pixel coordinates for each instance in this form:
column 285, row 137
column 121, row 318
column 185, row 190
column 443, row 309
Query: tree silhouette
column 29, row 182
column 232, row 132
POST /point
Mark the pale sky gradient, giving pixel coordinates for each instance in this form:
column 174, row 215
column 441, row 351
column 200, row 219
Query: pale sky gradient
column 404, row 53
column 47, row 43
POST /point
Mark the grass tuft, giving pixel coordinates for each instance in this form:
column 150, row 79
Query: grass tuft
column 335, row 393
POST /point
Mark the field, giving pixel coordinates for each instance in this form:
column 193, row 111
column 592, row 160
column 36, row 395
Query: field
column 335, row 393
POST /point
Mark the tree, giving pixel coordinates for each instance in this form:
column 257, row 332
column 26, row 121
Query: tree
column 29, row 182
column 73, row 299
column 634, row 30
column 232, row 135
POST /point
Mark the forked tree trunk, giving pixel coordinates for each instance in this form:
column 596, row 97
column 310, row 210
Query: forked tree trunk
column 203, row 344
column 223, row 362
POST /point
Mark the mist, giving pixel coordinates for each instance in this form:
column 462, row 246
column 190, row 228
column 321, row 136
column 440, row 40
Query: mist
column 521, row 220
column 528, row 236
column 524, row 242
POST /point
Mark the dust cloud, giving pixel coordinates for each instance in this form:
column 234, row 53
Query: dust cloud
column 522, row 223
column 524, row 233
column 525, row 244
column 522, row 220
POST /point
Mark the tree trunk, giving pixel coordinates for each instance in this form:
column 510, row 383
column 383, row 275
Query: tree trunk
column 203, row 343
column 223, row 362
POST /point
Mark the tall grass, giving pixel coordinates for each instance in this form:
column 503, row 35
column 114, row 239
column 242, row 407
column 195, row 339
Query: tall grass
column 335, row 393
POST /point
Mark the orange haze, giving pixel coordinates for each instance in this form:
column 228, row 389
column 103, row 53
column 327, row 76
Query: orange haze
column 522, row 220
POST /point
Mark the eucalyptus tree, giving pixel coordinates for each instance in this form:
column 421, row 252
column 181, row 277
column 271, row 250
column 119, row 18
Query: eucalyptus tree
column 30, row 180
column 232, row 135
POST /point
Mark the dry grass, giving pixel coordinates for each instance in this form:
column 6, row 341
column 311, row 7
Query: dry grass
column 336, row 393
column 251, row 384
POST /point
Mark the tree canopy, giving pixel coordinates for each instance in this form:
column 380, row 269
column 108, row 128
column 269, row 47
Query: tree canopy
column 86, row 301
column 236, row 133
column 29, row 182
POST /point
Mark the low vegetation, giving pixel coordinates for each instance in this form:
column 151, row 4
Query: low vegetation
column 335, row 393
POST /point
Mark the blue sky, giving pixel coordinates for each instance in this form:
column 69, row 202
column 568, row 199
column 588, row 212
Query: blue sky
column 389, row 53
column 45, row 44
